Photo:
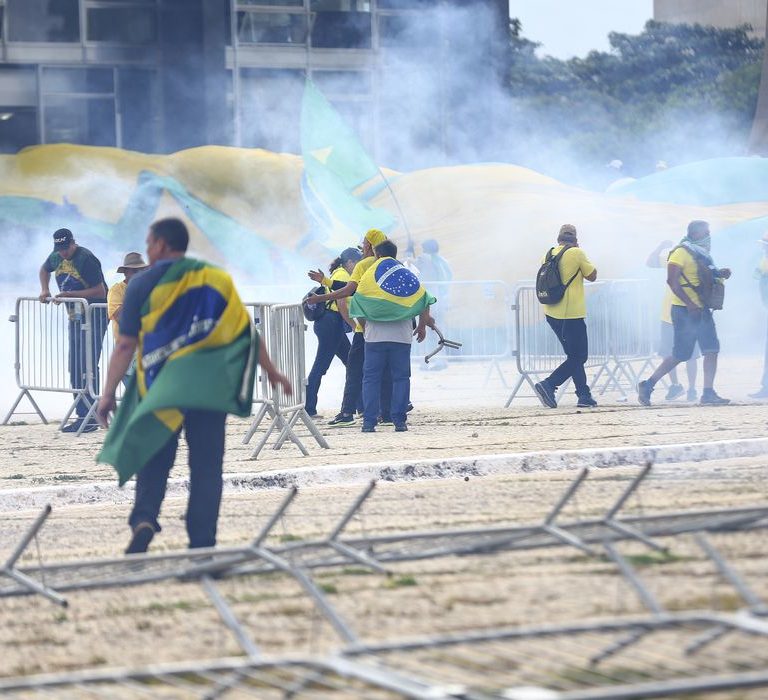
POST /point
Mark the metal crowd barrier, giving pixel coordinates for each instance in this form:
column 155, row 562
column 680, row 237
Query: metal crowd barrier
column 51, row 351
column 618, row 328
column 282, row 332
column 475, row 314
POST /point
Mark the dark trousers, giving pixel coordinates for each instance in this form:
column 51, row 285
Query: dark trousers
column 78, row 349
column 377, row 357
column 204, row 432
column 572, row 334
column 353, row 385
column 331, row 342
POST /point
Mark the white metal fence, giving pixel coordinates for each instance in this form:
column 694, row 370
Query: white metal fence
column 619, row 329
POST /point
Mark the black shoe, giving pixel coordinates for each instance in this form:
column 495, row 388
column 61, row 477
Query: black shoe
column 644, row 390
column 142, row 536
column 409, row 407
column 761, row 394
column 73, row 427
column 342, row 421
column 384, row 421
column 586, row 402
column 674, row 391
column 90, row 427
column 710, row 398
column 401, row 428
column 369, row 428
column 545, row 394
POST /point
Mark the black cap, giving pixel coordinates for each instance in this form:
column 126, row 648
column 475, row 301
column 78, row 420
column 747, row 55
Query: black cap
column 350, row 254
column 62, row 239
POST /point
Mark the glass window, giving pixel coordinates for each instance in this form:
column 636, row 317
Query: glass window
column 271, row 28
column 78, row 80
column 43, row 20
column 272, row 3
column 18, row 128
column 404, row 4
column 88, row 121
column 341, row 29
column 138, row 109
column 122, row 25
column 340, row 5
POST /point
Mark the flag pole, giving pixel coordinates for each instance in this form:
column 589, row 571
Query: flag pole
column 399, row 208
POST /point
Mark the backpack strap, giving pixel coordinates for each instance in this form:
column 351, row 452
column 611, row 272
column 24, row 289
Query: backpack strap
column 557, row 259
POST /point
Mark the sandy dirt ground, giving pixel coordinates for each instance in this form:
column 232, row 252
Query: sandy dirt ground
column 175, row 622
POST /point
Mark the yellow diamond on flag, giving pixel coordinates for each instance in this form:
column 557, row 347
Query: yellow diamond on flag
column 322, row 154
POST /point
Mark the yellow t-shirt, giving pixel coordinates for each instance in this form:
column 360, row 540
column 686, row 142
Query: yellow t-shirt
column 338, row 275
column 357, row 274
column 573, row 304
column 115, row 298
column 666, row 304
column 685, row 260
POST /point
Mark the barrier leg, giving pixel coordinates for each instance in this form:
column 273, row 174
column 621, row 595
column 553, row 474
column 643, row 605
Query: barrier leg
column 25, row 392
column 495, row 366
column 275, row 418
column 287, row 432
column 518, row 385
column 319, row 438
column 87, row 418
column 68, row 414
column 255, row 424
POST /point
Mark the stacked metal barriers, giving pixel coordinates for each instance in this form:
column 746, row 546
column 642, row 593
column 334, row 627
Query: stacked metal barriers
column 281, row 327
column 619, row 329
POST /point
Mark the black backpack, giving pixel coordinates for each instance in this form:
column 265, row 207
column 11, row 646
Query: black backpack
column 549, row 284
column 313, row 312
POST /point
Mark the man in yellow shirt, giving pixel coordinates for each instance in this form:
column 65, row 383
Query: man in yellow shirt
column 353, row 385
column 132, row 263
column 658, row 259
column 692, row 321
column 567, row 320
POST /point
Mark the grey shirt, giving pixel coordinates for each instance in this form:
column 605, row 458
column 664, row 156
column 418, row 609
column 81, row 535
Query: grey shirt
column 388, row 331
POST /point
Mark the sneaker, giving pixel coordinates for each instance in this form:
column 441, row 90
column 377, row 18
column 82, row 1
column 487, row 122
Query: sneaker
column 73, row 427
column 761, row 394
column 644, row 390
column 692, row 395
column 710, row 398
column 545, row 394
column 142, row 536
column 586, row 402
column 409, row 407
column 384, row 421
column 90, row 427
column 674, row 392
column 342, row 421
column 401, row 428
column 369, row 428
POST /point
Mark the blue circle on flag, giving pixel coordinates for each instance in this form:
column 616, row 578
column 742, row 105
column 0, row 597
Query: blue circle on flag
column 400, row 282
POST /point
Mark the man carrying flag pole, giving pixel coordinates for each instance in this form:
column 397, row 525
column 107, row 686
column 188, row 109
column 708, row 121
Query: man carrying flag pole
column 388, row 298
column 195, row 362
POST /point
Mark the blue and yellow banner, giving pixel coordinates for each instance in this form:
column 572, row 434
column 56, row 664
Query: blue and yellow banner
column 196, row 351
column 389, row 291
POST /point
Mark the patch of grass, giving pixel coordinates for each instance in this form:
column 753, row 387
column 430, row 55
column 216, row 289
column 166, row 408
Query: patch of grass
column 15, row 476
column 60, row 617
column 401, row 582
column 290, row 538
column 328, row 588
column 69, row 477
column 653, row 558
column 355, row 571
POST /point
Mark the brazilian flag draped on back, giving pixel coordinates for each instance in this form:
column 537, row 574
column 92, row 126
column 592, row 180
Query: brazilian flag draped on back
column 196, row 351
column 389, row 291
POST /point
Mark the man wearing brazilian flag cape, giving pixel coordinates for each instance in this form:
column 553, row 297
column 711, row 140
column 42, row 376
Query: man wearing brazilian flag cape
column 196, row 354
column 387, row 300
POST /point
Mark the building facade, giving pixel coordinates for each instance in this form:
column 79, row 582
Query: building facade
column 718, row 13
column 162, row 75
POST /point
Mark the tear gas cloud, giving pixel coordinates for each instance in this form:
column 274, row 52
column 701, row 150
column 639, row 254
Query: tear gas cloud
column 440, row 104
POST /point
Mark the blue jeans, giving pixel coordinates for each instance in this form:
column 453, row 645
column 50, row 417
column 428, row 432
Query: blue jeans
column 204, row 431
column 377, row 356
column 331, row 342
